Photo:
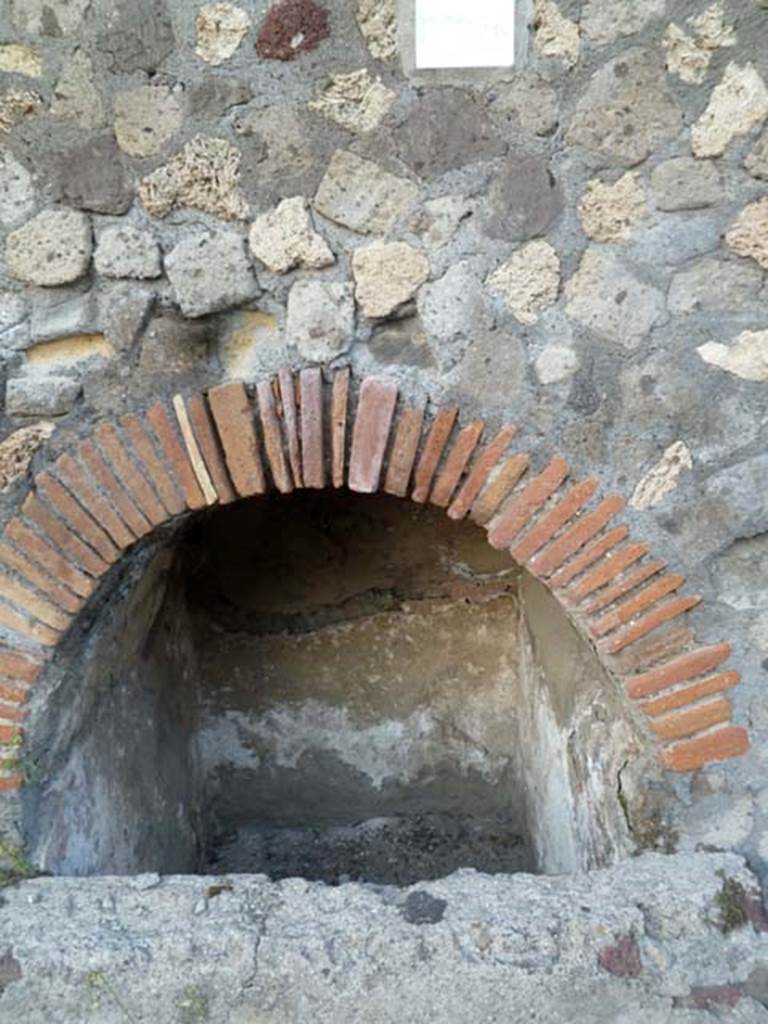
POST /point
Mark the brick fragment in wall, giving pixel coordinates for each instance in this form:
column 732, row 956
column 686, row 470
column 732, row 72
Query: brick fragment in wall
column 291, row 28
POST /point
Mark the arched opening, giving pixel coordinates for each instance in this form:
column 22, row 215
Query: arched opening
column 325, row 685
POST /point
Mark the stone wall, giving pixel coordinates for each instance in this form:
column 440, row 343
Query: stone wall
column 194, row 193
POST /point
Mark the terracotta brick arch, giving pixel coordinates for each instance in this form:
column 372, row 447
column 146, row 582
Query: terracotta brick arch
column 305, row 431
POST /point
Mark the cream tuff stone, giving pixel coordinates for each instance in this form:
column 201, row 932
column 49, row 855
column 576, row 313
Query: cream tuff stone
column 362, row 196
column 320, row 319
column 62, row 354
column 17, row 191
column 749, row 234
column 205, row 176
column 15, row 105
column 745, row 357
column 607, row 297
column 41, row 395
column 123, row 250
column 556, row 36
column 603, row 21
column 285, row 238
column 18, row 449
column 221, row 28
column 75, row 97
column 556, row 363
column 737, row 105
column 684, row 183
column 378, row 23
column 386, row 275
column 439, row 221
column 609, row 212
column 529, row 280
column 51, row 249
column 663, row 478
column 34, row 16
column 356, row 101
column 210, row 272
column 19, row 59
column 688, row 56
column 531, row 99
column 146, row 118
column 714, row 284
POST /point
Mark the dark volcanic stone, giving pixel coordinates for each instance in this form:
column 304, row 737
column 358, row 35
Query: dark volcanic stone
column 421, row 908
column 292, row 27
column 90, row 176
column 524, row 200
column 139, row 38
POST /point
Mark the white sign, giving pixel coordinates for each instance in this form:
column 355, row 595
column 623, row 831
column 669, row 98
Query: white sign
column 465, row 33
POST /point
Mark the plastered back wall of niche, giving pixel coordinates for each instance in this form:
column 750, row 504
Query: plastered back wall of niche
column 191, row 193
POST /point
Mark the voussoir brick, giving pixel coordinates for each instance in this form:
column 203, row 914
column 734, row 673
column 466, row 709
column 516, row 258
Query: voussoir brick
column 623, row 586
column 176, row 456
column 719, row 744
column 613, row 562
column 676, row 725
column 14, row 693
column 456, row 462
column 680, row 669
column 405, row 448
column 161, row 479
column 520, row 508
column 625, row 612
column 665, row 643
column 32, row 604
column 434, row 446
column 81, row 485
column 289, row 414
column 127, row 472
column 680, row 697
column 339, row 417
column 53, row 561
column 499, row 484
column 547, row 525
column 11, row 783
column 19, row 666
column 370, row 434
column 659, row 614
column 27, row 627
column 586, row 528
column 195, row 456
column 53, row 589
column 102, row 473
column 312, row 432
column 480, row 471
column 76, row 517
column 61, row 536
column 232, row 414
column 273, row 438
column 205, row 435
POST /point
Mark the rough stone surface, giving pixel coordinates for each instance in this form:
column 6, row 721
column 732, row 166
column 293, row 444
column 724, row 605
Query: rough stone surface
column 15, row 106
column 43, row 395
column 138, row 36
column 746, row 356
column 440, row 220
column 378, row 23
column 736, row 106
column 76, row 97
column 363, row 196
column 356, row 101
column 749, row 234
column 321, row 319
column 663, row 478
column 291, row 28
column 603, row 22
column 529, row 280
column 609, row 212
column 17, row 191
column 221, row 28
column 127, row 251
column 18, row 59
column 18, row 449
column 606, row 296
column 689, row 52
column 146, row 119
column 386, row 275
column 683, row 183
column 285, row 238
column 53, row 17
column 712, row 284
column 531, row 99
column 524, row 200
column 757, row 160
column 90, row 175
column 626, row 110
column 204, row 176
column 51, row 249
column 556, row 363
column 210, row 272
column 556, row 36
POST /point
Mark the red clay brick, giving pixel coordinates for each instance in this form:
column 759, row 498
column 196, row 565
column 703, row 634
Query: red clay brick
column 679, row 670
column 161, row 479
column 312, row 440
column 76, row 517
column 37, row 577
column 554, row 556
column 30, row 603
column 175, row 456
column 627, row 583
column 27, row 627
column 500, row 483
column 287, row 390
column 11, row 712
column 684, row 695
column 125, row 469
column 237, row 431
column 455, row 463
column 627, row 611
column 192, row 449
column 662, row 612
column 717, row 745
column 208, row 443
column 480, row 471
column 611, row 565
column 10, row 783
column 273, row 438
column 79, row 483
column 547, row 526
column 339, row 414
column 520, row 508
column 10, row 734
column 405, row 448
column 79, row 553
column 106, row 479
column 20, row 666
column 678, row 724
column 437, row 439
column 667, row 642
column 49, row 558
column 11, row 693
column 373, row 422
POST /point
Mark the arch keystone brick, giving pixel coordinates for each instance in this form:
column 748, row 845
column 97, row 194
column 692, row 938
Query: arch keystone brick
column 375, row 412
